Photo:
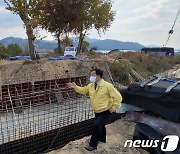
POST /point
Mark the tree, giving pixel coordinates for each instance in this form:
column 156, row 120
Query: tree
column 93, row 14
column 60, row 17
column 2, row 48
column 2, row 51
column 85, row 45
column 27, row 11
column 66, row 41
column 77, row 16
column 13, row 50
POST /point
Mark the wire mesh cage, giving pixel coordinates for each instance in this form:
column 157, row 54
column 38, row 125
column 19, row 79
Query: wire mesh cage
column 37, row 106
column 40, row 108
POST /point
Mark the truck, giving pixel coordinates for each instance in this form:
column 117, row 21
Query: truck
column 70, row 51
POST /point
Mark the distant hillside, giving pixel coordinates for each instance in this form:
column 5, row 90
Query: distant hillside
column 23, row 43
column 114, row 44
column 42, row 45
column 9, row 40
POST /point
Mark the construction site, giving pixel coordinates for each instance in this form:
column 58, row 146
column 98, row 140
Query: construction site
column 41, row 111
column 38, row 113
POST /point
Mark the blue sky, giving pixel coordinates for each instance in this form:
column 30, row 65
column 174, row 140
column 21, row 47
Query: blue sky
column 143, row 21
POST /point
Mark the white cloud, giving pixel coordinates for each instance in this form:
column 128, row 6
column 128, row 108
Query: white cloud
column 15, row 31
column 143, row 21
column 3, row 10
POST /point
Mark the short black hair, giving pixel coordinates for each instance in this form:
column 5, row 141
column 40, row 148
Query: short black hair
column 98, row 72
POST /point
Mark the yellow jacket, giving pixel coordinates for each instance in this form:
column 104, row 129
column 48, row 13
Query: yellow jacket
column 104, row 97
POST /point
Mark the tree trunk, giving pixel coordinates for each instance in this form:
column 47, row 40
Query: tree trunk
column 59, row 42
column 81, row 38
column 31, row 39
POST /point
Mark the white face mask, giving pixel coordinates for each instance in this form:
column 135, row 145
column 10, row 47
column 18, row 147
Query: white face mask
column 92, row 79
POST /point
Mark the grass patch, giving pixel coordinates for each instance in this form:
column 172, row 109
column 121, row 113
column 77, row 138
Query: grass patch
column 147, row 65
column 26, row 62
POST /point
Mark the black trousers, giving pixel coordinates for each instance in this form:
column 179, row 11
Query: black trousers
column 99, row 131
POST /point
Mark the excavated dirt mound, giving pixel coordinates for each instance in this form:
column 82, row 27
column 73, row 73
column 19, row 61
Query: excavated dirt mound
column 23, row 71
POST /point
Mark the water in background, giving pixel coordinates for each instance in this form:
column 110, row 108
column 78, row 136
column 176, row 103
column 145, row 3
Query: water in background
column 107, row 51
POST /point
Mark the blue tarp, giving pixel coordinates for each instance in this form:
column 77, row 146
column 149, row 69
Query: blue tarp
column 18, row 58
column 66, row 58
column 52, row 58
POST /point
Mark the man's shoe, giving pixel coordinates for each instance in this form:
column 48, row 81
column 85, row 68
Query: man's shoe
column 103, row 141
column 90, row 148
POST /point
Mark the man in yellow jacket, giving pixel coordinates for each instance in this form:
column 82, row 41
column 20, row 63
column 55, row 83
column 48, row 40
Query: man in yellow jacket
column 105, row 99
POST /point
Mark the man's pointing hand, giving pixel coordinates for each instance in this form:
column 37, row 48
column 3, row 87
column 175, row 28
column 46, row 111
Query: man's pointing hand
column 71, row 85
